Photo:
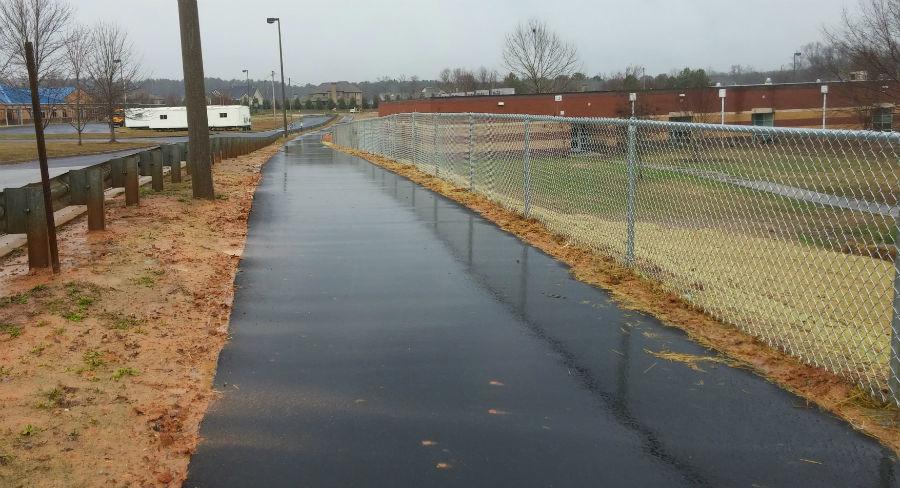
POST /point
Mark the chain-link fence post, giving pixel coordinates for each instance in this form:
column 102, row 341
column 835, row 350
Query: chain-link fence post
column 526, row 158
column 894, row 379
column 630, row 194
column 434, row 142
column 414, row 139
column 471, row 155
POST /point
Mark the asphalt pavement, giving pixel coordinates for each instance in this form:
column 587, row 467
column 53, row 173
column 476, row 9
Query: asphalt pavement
column 385, row 336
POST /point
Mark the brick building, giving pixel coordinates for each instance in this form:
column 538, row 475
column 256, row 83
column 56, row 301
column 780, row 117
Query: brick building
column 850, row 105
column 57, row 103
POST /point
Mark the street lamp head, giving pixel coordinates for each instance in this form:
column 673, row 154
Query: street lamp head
column 798, row 54
column 245, row 71
column 272, row 20
column 117, row 61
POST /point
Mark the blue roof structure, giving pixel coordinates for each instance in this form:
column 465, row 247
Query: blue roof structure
column 10, row 95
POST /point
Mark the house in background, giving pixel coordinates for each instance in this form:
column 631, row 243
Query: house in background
column 57, row 104
column 337, row 91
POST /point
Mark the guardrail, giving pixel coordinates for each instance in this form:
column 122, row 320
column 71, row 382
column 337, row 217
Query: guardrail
column 790, row 235
column 12, row 201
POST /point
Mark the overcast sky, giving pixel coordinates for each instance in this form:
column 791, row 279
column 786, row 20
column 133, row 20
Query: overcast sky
column 359, row 40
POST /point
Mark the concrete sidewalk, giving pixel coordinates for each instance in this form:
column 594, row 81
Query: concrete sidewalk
column 384, row 336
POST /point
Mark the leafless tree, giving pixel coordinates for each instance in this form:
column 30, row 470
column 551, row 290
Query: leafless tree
column 43, row 22
column 463, row 80
column 866, row 40
column 539, row 56
column 78, row 48
column 486, row 78
column 112, row 69
column 415, row 87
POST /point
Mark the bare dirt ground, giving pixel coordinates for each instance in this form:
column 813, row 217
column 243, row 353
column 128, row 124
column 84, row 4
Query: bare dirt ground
column 106, row 370
column 818, row 387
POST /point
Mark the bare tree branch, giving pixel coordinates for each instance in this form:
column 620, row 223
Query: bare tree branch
column 78, row 48
column 112, row 68
column 538, row 56
column 43, row 22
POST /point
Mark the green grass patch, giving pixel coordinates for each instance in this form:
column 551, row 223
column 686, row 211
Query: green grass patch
column 123, row 372
column 93, row 359
column 10, row 330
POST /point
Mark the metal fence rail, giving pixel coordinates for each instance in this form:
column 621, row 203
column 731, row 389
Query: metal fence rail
column 788, row 234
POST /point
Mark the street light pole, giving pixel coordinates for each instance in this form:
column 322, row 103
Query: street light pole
column 247, row 74
column 271, row 20
column 273, row 96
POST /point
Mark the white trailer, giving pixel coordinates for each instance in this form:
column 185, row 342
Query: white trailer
column 138, row 118
column 219, row 117
column 228, row 117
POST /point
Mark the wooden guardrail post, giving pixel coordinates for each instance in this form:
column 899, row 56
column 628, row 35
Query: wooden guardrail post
column 86, row 188
column 36, row 229
column 144, row 162
column 16, row 203
column 78, row 185
column 156, row 169
column 117, row 172
column 132, row 196
column 174, row 156
column 185, row 152
column 95, row 199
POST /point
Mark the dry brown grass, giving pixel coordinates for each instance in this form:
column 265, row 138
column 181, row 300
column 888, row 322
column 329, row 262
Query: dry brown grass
column 19, row 151
column 818, row 386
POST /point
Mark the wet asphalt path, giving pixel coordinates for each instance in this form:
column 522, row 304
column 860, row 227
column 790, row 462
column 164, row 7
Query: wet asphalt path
column 384, row 336
column 20, row 174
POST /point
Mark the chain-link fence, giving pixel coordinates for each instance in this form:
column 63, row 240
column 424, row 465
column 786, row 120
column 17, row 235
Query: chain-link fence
column 788, row 234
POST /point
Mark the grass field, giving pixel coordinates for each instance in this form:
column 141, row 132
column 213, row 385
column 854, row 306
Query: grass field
column 815, row 280
column 15, row 151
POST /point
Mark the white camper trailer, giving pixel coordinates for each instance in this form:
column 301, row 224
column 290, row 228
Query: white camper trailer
column 138, row 118
column 228, row 117
column 219, row 117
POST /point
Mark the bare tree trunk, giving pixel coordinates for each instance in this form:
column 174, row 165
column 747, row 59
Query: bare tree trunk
column 78, row 121
column 112, row 125
column 195, row 101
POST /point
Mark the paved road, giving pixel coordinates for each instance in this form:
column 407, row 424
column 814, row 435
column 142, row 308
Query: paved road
column 383, row 336
column 56, row 128
column 16, row 175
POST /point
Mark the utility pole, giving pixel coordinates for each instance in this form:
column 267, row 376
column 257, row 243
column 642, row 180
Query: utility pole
column 199, row 156
column 37, row 118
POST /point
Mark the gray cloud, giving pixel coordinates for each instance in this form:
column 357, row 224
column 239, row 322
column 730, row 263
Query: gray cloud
column 363, row 39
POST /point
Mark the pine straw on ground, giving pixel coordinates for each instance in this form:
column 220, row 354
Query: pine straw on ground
column 106, row 369
column 817, row 386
